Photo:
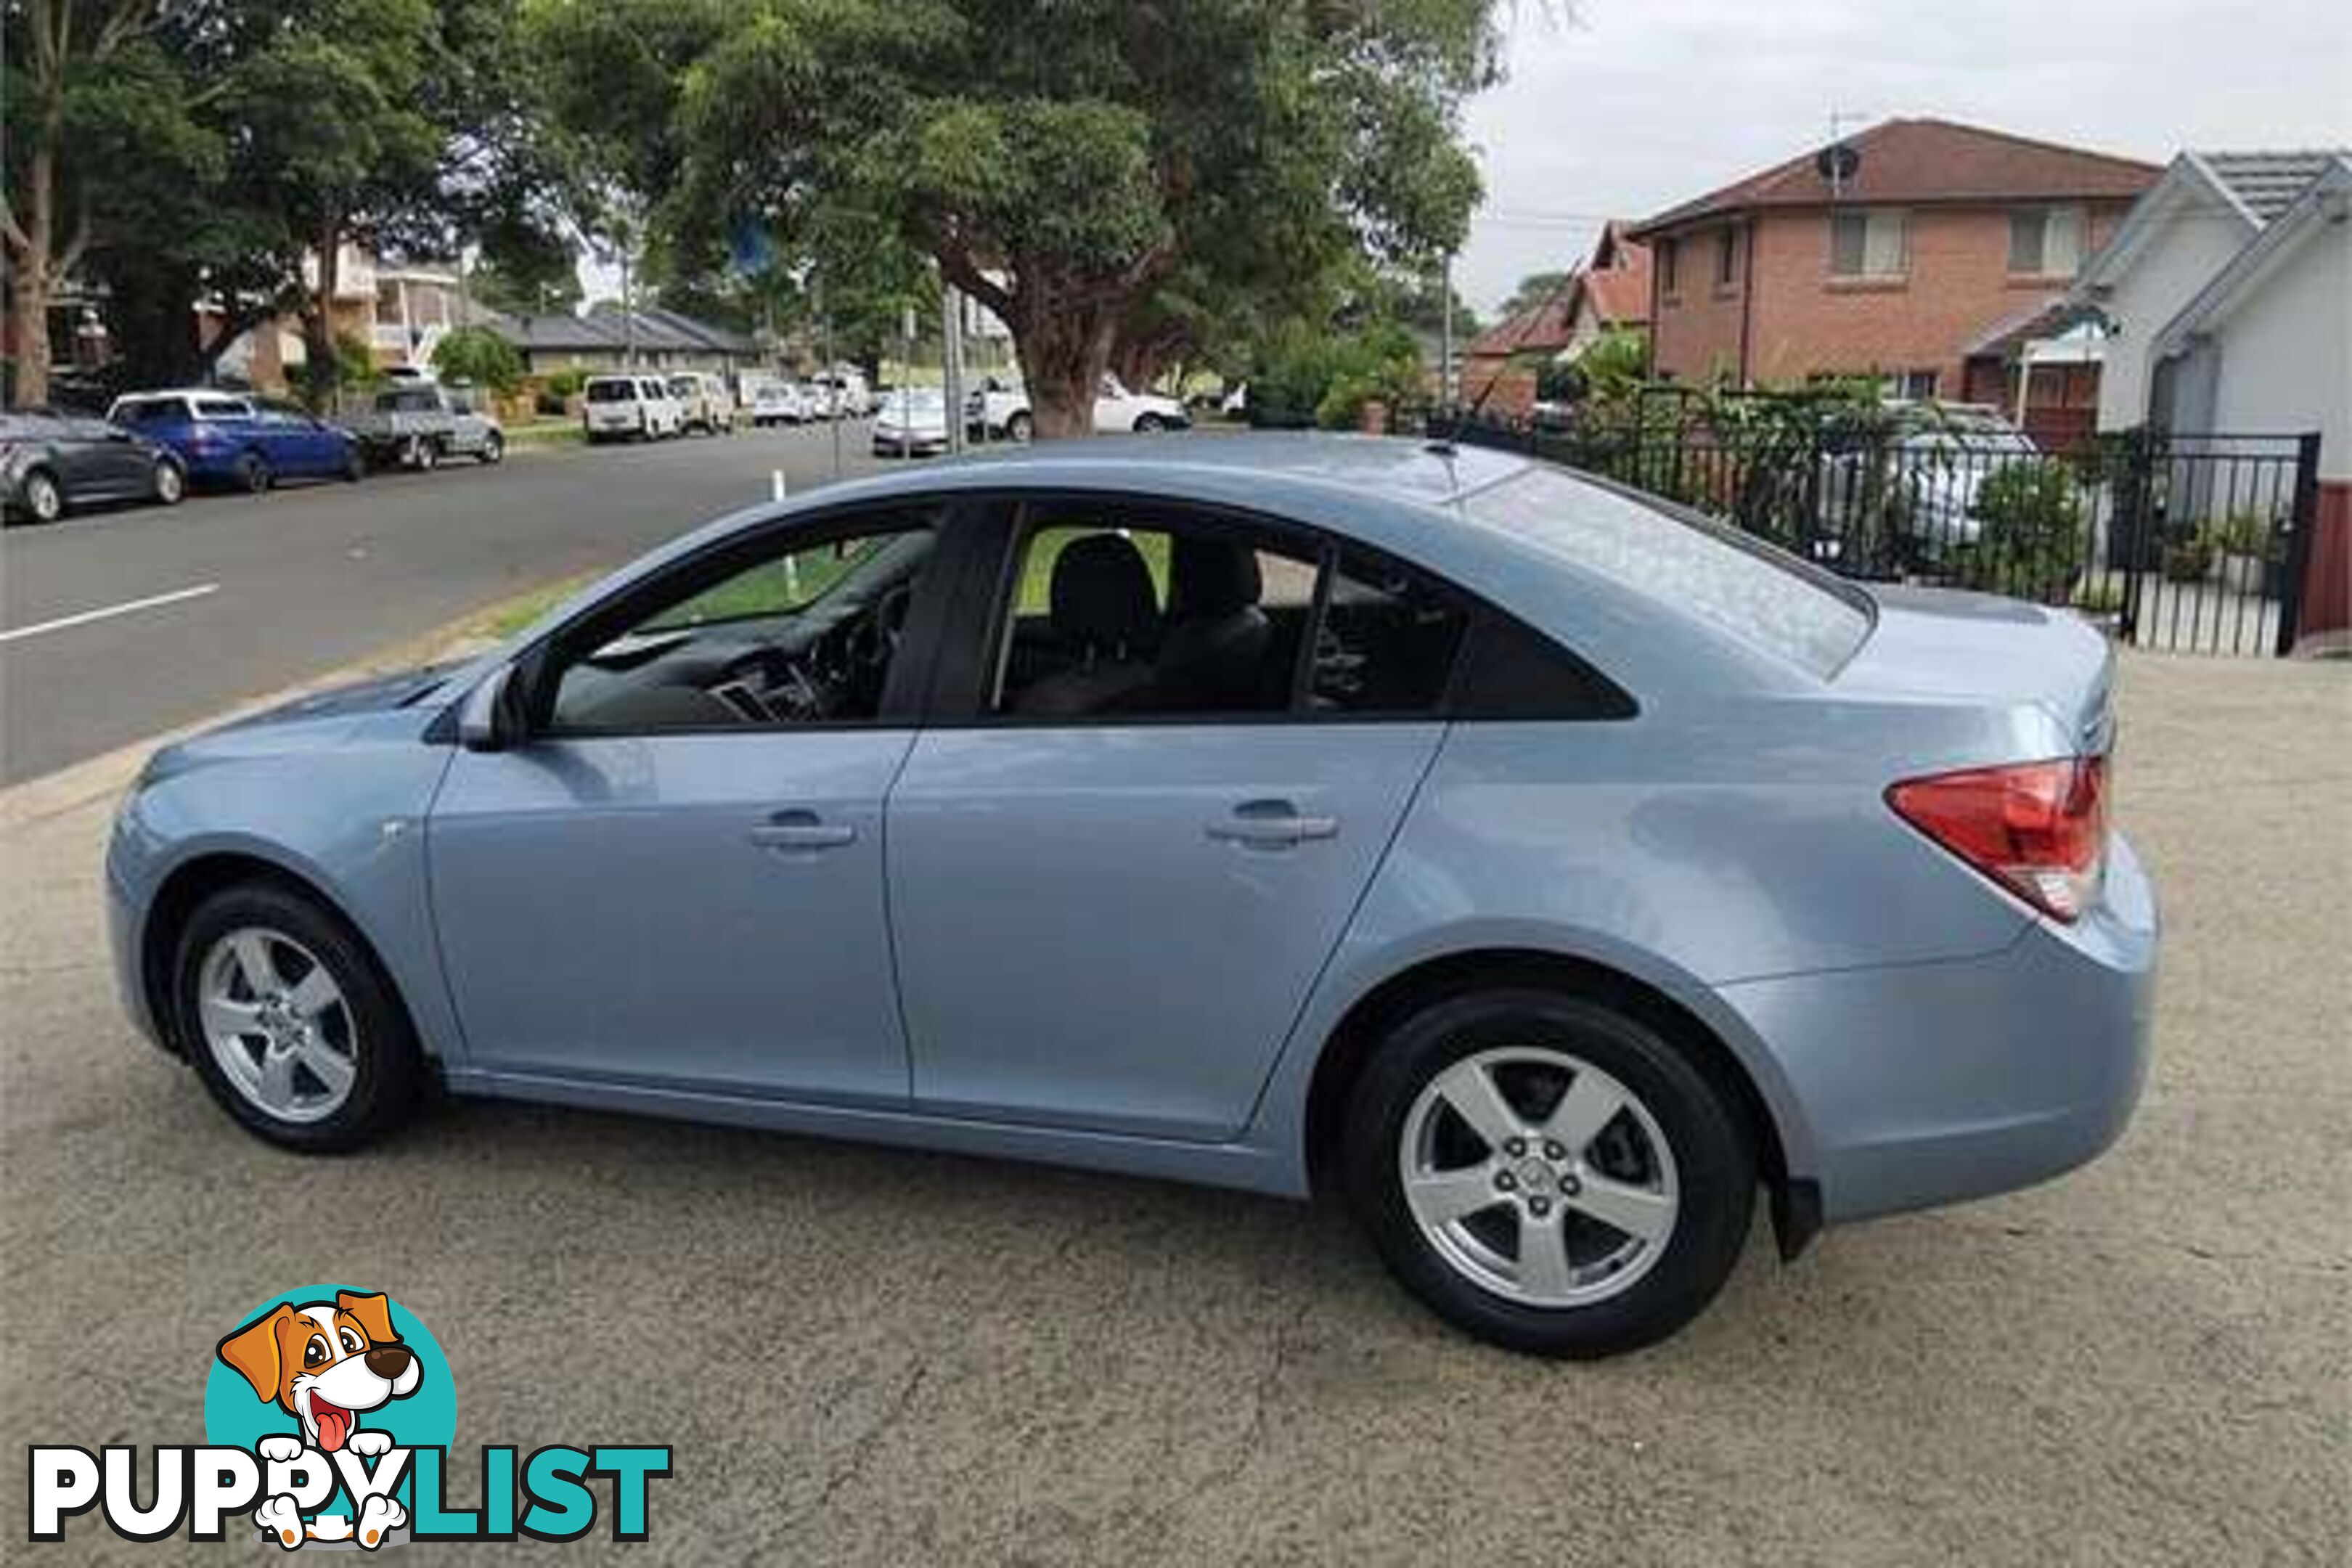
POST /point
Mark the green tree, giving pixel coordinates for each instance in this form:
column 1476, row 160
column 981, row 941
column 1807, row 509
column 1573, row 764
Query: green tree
column 59, row 56
column 479, row 355
column 1534, row 290
column 1072, row 163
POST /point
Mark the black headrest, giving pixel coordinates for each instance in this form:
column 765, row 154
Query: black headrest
column 1212, row 577
column 1102, row 594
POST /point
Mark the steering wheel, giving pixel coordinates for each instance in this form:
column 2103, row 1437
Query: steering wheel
column 882, row 630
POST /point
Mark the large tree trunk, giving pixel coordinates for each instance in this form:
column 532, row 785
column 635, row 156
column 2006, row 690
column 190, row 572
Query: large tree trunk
column 320, row 374
column 1064, row 352
column 31, row 278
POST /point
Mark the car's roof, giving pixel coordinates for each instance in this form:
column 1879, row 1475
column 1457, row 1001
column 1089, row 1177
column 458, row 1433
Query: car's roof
column 186, row 392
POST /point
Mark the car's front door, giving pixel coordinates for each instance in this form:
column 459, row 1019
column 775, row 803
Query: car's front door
column 1115, row 875
column 676, row 879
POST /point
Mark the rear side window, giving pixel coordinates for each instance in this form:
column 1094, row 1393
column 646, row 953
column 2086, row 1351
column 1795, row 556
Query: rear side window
column 1763, row 597
column 223, row 408
column 150, row 411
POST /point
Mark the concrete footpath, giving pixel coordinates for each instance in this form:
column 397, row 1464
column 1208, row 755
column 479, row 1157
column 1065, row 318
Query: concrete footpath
column 861, row 1356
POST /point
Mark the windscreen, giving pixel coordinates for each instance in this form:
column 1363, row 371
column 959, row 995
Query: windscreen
column 1766, row 598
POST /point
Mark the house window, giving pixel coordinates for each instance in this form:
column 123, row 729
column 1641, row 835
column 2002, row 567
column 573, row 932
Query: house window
column 1727, row 257
column 1915, row 383
column 2045, row 242
column 1669, row 253
column 1869, row 243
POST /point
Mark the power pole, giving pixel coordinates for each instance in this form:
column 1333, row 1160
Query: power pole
column 951, row 363
column 1445, row 331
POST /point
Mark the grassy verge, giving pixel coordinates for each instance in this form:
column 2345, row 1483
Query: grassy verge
column 504, row 619
column 546, row 433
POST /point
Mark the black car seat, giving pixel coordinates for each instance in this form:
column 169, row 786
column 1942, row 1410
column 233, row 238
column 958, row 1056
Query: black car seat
column 1104, row 613
column 1213, row 657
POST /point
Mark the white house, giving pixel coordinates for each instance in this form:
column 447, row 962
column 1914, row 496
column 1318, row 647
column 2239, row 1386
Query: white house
column 2226, row 297
column 2207, row 212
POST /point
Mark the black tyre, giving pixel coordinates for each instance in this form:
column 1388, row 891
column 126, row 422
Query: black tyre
column 354, row 463
column 424, row 455
column 290, row 1023
column 1150, row 425
column 494, row 448
column 1548, row 1174
column 253, row 473
column 43, row 499
column 171, row 484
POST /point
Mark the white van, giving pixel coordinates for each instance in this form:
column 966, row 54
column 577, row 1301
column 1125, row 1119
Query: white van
column 621, row 407
column 841, row 393
column 703, row 400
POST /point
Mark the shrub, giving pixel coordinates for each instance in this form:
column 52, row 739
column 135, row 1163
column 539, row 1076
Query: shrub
column 2239, row 533
column 479, row 355
column 2189, row 560
column 2031, row 543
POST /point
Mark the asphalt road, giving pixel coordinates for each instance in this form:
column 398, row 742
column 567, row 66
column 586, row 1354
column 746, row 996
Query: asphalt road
column 868, row 1356
column 227, row 596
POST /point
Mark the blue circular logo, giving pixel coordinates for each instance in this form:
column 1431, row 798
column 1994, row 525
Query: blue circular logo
column 323, row 1364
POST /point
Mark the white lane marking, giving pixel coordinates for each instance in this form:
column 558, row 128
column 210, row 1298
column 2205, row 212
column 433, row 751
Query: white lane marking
column 107, row 612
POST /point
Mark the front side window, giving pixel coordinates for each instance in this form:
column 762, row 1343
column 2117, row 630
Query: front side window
column 1869, row 243
column 801, row 634
column 611, row 392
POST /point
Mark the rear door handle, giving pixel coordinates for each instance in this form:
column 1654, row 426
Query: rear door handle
column 802, row 830
column 1270, row 824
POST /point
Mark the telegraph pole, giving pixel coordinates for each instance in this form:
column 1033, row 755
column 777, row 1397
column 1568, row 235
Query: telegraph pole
column 951, row 364
column 1445, row 331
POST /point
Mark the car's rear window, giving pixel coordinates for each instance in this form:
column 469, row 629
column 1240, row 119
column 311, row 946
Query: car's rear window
column 612, row 391
column 1758, row 595
column 223, row 408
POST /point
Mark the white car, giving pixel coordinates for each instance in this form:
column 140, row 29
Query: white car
column 841, row 393
column 619, row 406
column 781, row 403
column 1004, row 409
column 705, row 403
column 913, row 422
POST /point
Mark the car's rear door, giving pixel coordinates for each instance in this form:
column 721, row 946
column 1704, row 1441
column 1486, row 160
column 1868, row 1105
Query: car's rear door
column 1111, row 892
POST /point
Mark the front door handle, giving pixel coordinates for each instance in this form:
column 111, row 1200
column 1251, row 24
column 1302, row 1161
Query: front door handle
column 1270, row 824
column 802, row 830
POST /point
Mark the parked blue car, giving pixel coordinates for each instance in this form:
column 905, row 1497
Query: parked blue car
column 1540, row 867
column 230, row 438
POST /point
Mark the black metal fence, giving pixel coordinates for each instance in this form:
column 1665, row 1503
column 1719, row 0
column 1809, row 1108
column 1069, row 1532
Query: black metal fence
column 2198, row 543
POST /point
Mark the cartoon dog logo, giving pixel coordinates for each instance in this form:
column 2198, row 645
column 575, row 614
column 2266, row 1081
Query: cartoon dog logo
column 326, row 1364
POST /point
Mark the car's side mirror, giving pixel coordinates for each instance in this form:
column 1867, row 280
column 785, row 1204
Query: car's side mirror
column 487, row 720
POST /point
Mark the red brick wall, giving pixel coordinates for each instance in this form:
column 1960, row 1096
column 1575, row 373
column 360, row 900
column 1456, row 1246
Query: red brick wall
column 1803, row 323
column 2325, row 623
column 1694, row 329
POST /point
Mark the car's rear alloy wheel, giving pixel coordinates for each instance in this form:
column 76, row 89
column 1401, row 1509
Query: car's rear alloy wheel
column 171, row 484
column 494, row 447
column 1548, row 1174
column 290, row 1023
column 253, row 472
column 44, row 501
column 1150, row 425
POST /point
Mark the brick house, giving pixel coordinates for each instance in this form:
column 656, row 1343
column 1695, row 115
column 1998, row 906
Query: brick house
column 1608, row 291
column 1910, row 251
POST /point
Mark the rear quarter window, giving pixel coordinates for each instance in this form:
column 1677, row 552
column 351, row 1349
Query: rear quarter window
column 1757, row 593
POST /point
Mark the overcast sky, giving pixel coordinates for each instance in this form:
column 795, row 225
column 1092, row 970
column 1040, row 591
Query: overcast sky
column 1636, row 105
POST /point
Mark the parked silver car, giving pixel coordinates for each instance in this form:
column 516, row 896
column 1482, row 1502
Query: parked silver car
column 1541, row 868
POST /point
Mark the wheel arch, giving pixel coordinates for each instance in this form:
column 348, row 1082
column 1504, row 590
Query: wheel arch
column 1350, row 1044
column 199, row 877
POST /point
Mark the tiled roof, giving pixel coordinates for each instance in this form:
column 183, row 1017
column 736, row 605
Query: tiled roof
column 1621, row 296
column 655, row 329
column 1926, row 161
column 1540, row 328
column 2265, row 183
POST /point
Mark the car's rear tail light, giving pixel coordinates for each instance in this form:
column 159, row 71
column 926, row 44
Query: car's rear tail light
column 2039, row 829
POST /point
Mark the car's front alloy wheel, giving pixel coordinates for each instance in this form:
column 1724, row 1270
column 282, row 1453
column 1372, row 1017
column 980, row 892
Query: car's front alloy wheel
column 44, row 501
column 1547, row 1174
column 290, row 1023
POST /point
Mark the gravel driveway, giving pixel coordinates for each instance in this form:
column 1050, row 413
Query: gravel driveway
column 863, row 1356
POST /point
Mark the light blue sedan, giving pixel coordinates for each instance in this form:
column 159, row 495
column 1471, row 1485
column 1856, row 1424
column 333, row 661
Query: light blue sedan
column 1541, row 868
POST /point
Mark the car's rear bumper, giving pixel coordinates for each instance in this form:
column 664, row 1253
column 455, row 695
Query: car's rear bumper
column 1932, row 1083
